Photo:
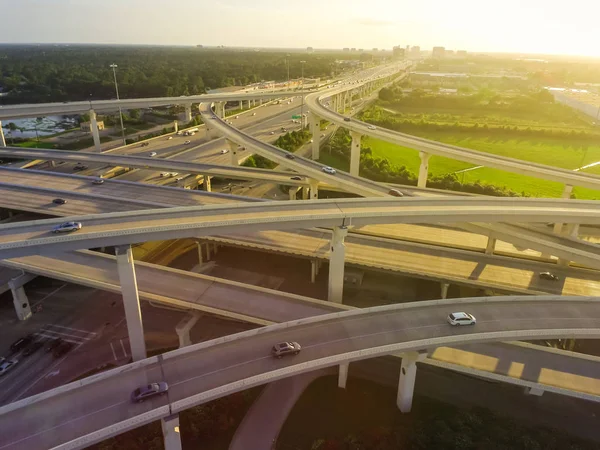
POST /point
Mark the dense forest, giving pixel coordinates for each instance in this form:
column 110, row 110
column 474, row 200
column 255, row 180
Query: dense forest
column 34, row 74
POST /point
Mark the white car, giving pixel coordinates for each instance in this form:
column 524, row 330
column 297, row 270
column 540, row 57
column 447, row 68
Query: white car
column 224, row 151
column 329, row 170
column 187, row 142
column 164, row 174
column 98, row 181
column 152, row 154
column 253, row 114
column 237, row 117
column 372, row 127
column 461, row 318
column 67, row 227
column 169, row 138
column 174, row 174
column 6, row 365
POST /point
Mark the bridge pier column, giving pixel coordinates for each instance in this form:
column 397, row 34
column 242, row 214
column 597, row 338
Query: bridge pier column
column 337, row 257
column 293, row 191
column 200, row 256
column 314, row 269
column 315, row 130
column 343, row 375
column 206, row 183
column 445, row 287
column 170, row 430
column 423, row 169
column 131, row 301
column 175, row 126
column 491, row 245
column 565, row 194
column 305, row 190
column 241, row 106
column 314, row 189
column 220, row 109
column 355, row 153
column 94, row 130
column 233, row 148
column 188, row 113
column 406, row 383
column 184, row 327
column 20, row 300
column 2, row 140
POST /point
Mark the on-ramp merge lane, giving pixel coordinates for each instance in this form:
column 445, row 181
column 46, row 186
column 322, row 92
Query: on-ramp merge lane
column 99, row 407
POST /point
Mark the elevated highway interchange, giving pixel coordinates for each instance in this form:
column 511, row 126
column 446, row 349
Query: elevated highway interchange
column 88, row 411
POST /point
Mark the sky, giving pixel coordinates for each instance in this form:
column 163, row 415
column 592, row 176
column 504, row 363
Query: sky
column 524, row 26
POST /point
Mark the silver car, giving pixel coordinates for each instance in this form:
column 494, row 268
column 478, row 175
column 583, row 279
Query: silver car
column 67, row 227
column 6, row 365
column 150, row 390
column 285, row 348
column 329, row 170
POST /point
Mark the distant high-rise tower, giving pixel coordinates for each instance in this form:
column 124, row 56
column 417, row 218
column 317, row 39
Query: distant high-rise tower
column 415, row 51
column 398, row 52
column 438, row 52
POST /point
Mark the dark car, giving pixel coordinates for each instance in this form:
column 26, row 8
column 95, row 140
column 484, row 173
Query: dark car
column 53, row 344
column 395, row 193
column 64, row 348
column 149, row 391
column 548, row 276
column 285, row 348
column 346, row 119
column 145, row 144
column 59, row 201
column 80, row 166
column 34, row 347
column 290, row 156
column 21, row 343
column 296, row 178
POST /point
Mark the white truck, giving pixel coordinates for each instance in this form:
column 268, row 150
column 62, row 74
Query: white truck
column 190, row 132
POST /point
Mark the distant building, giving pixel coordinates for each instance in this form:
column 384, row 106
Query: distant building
column 375, row 49
column 200, row 46
column 353, row 49
column 346, row 49
column 438, row 52
column 415, row 51
column 449, row 52
column 399, row 52
column 309, row 49
column 87, row 126
column 461, row 53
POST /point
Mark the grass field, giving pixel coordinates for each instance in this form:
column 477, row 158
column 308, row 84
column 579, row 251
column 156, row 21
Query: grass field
column 34, row 144
column 550, row 152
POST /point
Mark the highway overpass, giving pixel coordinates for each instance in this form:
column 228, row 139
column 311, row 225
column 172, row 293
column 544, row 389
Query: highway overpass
column 88, row 411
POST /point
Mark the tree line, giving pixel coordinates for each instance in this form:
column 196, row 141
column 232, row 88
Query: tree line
column 35, row 74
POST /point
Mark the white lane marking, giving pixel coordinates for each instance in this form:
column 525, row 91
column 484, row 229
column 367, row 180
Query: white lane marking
column 123, row 347
column 69, row 328
column 113, row 351
column 63, row 424
column 46, row 332
column 53, row 336
column 49, row 295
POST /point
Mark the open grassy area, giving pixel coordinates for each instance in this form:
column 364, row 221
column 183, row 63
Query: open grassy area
column 33, row 144
column 549, row 152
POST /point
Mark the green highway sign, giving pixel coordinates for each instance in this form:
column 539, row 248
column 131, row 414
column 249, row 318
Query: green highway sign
column 296, row 116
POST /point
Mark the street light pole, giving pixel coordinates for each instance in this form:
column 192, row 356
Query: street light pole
column 114, row 68
column 287, row 62
column 302, row 105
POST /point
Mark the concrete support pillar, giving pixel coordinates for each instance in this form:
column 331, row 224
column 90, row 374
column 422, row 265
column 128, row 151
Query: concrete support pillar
column 170, row 430
column 491, row 245
column 314, row 265
column 406, row 383
column 315, row 130
column 314, row 189
column 131, row 301
column 241, row 106
column 94, row 130
column 188, row 113
column 336, row 265
column 200, row 256
column 2, row 140
column 52, row 163
column 444, row 287
column 355, row 153
column 574, row 230
column 233, row 149
column 566, row 194
column 220, row 109
column 207, row 251
column 20, row 300
column 423, row 169
column 184, row 327
column 305, row 192
column 343, row 375
column 206, row 183
column 293, row 191
column 175, row 126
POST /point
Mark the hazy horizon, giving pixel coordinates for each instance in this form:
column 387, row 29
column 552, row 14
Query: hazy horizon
column 536, row 27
